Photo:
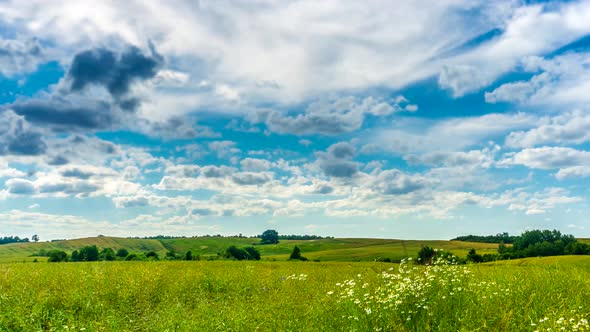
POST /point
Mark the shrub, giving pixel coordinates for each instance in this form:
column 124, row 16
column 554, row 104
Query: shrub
column 57, row 256
column 122, row 253
column 253, row 253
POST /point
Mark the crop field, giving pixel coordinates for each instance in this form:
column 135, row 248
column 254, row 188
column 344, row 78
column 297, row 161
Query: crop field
column 535, row 294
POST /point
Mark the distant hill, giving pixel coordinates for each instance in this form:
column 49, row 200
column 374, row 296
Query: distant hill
column 327, row 249
column 18, row 252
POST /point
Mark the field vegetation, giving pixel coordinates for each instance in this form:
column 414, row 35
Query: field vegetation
column 534, row 294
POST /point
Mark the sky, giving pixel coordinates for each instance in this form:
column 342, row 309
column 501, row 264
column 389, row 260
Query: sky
column 391, row 119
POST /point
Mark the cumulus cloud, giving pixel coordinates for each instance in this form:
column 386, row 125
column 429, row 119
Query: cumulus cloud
column 19, row 56
column 560, row 80
column 250, row 178
column 20, row 187
column 256, row 165
column 337, row 161
column 395, row 182
column 566, row 128
column 17, row 137
column 115, row 72
column 336, row 117
column 570, row 162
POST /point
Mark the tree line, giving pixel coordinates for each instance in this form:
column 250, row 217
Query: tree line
column 16, row 239
column 533, row 243
column 498, row 238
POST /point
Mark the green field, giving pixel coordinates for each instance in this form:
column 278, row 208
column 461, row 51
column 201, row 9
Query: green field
column 323, row 249
column 551, row 293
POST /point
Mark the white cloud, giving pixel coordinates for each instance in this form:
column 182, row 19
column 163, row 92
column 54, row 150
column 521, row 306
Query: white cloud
column 413, row 136
column 566, row 128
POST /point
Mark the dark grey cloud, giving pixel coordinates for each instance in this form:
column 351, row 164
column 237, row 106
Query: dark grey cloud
column 394, row 182
column 216, row 172
column 20, row 187
column 337, row 161
column 68, row 188
column 70, row 110
column 17, row 137
column 115, row 72
column 250, row 178
column 76, row 173
column 323, row 189
column 339, row 168
column 342, row 150
column 58, row 161
column 64, row 116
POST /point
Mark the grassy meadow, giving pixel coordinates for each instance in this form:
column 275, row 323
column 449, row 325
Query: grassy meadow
column 535, row 294
column 344, row 289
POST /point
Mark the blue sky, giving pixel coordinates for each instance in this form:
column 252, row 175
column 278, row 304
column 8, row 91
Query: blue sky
column 419, row 119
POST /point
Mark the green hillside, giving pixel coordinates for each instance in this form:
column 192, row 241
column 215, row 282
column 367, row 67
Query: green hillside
column 327, row 249
column 18, row 252
column 319, row 249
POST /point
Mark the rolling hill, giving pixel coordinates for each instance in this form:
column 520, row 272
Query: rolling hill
column 344, row 249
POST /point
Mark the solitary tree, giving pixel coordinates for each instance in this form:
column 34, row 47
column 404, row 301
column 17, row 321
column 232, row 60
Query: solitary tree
column 35, row 238
column 270, row 236
column 188, row 256
column 296, row 253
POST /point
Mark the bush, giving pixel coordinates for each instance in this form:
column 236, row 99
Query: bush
column 253, row 253
column 122, row 253
column 474, row 257
column 248, row 253
column 188, row 256
column 425, row 255
column 57, row 256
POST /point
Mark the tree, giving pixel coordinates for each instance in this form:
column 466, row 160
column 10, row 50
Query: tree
column 253, row 253
column 122, row 253
column 57, row 256
column 188, row 256
column 296, row 253
column 89, row 253
column 35, row 238
column 236, row 253
column 270, row 236
column 107, row 254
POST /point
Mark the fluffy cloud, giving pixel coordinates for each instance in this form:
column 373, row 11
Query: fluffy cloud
column 395, row 182
column 412, row 136
column 561, row 80
column 19, row 56
column 566, row 128
column 337, row 161
column 17, row 137
column 334, row 117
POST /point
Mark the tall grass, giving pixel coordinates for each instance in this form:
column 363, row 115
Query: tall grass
column 294, row 296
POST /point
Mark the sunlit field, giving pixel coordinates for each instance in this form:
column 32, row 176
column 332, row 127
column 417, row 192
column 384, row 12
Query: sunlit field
column 536, row 294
